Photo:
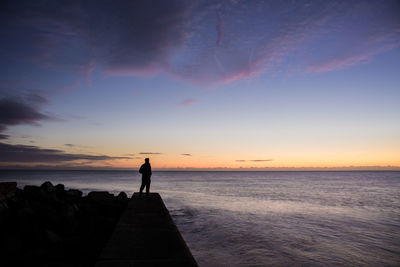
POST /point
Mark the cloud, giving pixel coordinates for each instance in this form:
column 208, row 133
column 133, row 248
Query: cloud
column 122, row 36
column 200, row 41
column 186, row 154
column 16, row 111
column 188, row 102
column 150, row 153
column 78, row 146
column 285, row 36
column 33, row 154
column 362, row 56
column 37, row 99
column 4, row 136
column 253, row 160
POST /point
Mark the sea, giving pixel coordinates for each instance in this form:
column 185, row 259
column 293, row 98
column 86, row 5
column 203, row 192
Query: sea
column 349, row 218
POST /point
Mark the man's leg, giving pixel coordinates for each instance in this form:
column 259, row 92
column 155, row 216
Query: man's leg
column 141, row 188
column 148, row 188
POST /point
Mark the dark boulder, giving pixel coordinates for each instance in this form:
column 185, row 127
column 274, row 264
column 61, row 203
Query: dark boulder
column 47, row 187
column 3, row 212
column 3, row 206
column 74, row 194
column 53, row 237
column 59, row 188
column 32, row 191
column 60, row 191
column 122, row 196
column 99, row 196
column 7, row 190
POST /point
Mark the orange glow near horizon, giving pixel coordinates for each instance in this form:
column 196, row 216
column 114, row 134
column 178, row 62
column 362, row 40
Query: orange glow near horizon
column 169, row 163
column 187, row 162
column 296, row 155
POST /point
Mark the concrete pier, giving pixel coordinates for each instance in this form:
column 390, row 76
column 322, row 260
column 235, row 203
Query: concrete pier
column 146, row 236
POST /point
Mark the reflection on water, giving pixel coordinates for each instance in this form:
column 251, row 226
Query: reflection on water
column 268, row 218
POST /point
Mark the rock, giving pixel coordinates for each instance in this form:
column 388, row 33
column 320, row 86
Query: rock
column 60, row 191
column 53, row 237
column 3, row 212
column 29, row 224
column 69, row 211
column 47, row 187
column 50, row 224
column 74, row 193
column 13, row 246
column 26, row 214
column 75, row 207
column 59, row 188
column 122, row 196
column 7, row 190
column 60, row 218
column 32, row 190
column 3, row 206
column 99, row 196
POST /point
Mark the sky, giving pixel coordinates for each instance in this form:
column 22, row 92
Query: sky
column 200, row 84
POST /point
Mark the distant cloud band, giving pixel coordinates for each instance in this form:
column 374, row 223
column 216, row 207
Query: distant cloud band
column 34, row 154
column 253, row 160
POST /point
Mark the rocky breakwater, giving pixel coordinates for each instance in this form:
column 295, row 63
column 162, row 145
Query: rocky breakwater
column 48, row 225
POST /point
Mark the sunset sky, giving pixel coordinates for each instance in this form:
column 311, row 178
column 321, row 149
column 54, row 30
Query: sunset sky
column 200, row 84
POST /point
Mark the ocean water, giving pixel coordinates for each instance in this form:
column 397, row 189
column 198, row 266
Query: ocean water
column 266, row 218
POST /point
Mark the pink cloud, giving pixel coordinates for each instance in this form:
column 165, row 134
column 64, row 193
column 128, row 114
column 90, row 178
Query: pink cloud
column 339, row 63
column 188, row 102
column 342, row 62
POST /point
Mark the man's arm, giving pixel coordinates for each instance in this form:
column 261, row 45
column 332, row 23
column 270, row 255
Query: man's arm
column 141, row 169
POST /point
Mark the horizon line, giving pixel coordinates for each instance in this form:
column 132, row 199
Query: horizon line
column 89, row 168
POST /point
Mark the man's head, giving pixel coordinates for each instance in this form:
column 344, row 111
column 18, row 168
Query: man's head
column 147, row 160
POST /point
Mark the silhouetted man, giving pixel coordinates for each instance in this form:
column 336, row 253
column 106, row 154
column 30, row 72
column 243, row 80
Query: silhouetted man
column 145, row 170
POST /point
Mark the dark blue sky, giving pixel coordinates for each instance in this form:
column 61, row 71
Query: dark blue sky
column 202, row 83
